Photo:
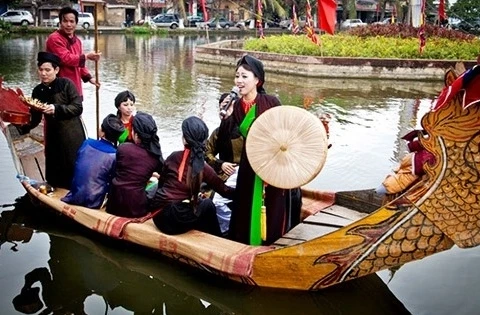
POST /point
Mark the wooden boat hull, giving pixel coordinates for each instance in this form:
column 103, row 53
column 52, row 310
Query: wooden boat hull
column 126, row 269
column 335, row 242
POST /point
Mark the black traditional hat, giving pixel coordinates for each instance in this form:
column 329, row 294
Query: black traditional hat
column 257, row 68
column 113, row 127
column 124, row 96
column 28, row 301
column 44, row 56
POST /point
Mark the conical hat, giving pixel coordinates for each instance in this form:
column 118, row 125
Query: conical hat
column 287, row 146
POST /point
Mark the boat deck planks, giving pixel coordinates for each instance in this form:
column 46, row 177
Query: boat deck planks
column 365, row 201
column 29, row 151
column 325, row 218
column 31, row 165
column 319, row 224
column 344, row 213
column 303, row 232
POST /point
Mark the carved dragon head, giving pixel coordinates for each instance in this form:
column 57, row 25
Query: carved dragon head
column 452, row 202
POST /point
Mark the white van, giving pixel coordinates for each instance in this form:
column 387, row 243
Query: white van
column 85, row 20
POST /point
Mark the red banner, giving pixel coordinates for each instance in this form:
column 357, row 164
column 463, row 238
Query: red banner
column 204, row 8
column 421, row 30
column 327, row 15
column 441, row 11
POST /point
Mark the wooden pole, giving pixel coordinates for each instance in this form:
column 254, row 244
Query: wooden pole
column 97, row 88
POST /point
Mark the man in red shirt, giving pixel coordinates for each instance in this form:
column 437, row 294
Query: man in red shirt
column 65, row 44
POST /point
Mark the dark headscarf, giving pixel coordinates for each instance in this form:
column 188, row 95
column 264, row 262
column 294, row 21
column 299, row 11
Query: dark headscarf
column 113, row 127
column 195, row 133
column 28, row 301
column 145, row 127
column 123, row 97
column 256, row 66
column 44, row 56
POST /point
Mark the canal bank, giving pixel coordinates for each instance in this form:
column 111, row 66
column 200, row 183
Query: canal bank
column 228, row 52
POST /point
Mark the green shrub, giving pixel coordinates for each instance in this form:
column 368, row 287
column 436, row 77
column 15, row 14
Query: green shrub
column 139, row 30
column 369, row 46
column 5, row 26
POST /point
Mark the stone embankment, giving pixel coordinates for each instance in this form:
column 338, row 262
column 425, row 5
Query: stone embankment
column 229, row 51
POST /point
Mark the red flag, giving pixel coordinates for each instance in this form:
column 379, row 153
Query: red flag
column 204, row 8
column 421, row 30
column 327, row 15
column 441, row 11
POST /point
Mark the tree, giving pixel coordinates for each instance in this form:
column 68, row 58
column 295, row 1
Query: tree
column 465, row 9
column 13, row 3
column 277, row 7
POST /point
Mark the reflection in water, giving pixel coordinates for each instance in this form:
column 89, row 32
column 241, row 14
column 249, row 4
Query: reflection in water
column 81, row 271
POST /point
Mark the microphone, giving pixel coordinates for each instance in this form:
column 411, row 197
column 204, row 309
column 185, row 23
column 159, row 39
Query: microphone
column 233, row 96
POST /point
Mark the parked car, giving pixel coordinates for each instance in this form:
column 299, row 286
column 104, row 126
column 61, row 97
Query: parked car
column 349, row 23
column 386, row 21
column 85, row 20
column 18, row 17
column 243, row 24
column 471, row 26
column 167, row 20
column 193, row 20
column 287, row 24
column 221, row 21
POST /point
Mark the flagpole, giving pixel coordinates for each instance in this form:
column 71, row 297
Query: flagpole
column 97, row 88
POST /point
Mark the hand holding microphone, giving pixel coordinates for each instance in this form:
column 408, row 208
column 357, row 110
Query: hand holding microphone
column 232, row 97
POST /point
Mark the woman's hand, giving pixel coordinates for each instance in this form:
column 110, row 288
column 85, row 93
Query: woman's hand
column 228, row 168
column 225, row 112
column 50, row 110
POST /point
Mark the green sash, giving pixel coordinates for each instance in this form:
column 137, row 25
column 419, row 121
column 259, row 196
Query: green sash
column 123, row 137
column 247, row 121
column 257, row 201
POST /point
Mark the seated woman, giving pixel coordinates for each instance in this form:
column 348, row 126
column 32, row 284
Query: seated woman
column 410, row 169
column 136, row 163
column 95, row 166
column 179, row 186
column 125, row 104
column 223, row 154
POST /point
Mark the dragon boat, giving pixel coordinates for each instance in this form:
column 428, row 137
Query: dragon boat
column 343, row 235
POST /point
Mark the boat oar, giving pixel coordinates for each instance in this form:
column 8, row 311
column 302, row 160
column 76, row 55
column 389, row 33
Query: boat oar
column 97, row 88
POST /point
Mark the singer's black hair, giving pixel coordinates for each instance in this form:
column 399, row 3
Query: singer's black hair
column 222, row 97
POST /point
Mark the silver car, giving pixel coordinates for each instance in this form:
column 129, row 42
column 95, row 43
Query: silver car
column 167, row 20
column 352, row 23
column 18, row 17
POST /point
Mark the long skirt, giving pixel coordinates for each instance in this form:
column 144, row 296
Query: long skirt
column 180, row 217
